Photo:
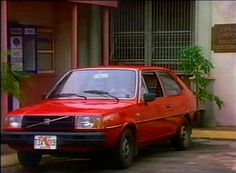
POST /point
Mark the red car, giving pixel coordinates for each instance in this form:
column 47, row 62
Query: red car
column 117, row 109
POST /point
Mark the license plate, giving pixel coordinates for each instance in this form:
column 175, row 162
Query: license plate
column 45, row 142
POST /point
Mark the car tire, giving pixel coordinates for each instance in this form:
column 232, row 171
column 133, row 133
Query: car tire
column 124, row 153
column 183, row 138
column 29, row 159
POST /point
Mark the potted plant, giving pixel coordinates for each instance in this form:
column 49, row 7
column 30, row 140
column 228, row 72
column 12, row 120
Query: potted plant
column 197, row 68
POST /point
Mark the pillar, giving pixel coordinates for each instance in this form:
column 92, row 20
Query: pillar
column 4, row 100
column 74, row 37
column 106, row 37
column 148, row 32
column 203, row 39
column 95, row 37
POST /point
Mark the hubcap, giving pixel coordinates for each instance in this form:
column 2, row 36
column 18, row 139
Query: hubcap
column 125, row 148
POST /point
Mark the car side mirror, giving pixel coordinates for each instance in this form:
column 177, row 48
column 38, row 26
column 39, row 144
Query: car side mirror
column 148, row 97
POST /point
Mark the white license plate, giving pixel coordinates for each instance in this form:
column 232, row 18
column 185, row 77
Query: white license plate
column 45, row 142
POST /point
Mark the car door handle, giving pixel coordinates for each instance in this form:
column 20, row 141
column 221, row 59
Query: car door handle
column 168, row 105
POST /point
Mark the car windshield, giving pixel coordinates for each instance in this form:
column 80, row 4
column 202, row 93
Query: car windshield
column 105, row 84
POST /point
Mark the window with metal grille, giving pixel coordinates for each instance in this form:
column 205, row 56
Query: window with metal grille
column 128, row 36
column 151, row 32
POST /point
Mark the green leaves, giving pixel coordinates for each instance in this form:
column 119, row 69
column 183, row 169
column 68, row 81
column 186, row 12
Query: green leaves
column 192, row 62
column 11, row 78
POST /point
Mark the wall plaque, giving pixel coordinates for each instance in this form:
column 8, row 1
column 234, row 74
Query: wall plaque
column 224, row 38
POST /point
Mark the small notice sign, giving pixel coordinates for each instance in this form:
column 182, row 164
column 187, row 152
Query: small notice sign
column 224, row 38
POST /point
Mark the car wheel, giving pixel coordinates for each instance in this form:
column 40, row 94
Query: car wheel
column 182, row 140
column 125, row 151
column 28, row 159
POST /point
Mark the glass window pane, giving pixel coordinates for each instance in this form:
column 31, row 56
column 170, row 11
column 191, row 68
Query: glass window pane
column 45, row 61
column 170, row 85
column 29, row 54
column 152, row 83
column 118, row 83
column 44, row 41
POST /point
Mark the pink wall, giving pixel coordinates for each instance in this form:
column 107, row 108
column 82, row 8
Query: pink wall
column 34, row 87
column 34, row 13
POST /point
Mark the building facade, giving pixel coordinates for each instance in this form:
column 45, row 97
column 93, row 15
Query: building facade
column 49, row 38
column 53, row 37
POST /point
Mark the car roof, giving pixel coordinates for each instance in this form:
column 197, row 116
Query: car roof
column 125, row 67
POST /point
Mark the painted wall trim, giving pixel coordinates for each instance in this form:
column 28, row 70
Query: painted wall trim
column 100, row 3
column 74, row 37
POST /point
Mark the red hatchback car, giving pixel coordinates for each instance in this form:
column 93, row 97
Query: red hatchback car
column 117, row 109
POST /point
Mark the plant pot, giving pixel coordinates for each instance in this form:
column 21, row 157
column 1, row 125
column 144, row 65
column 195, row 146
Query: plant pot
column 199, row 118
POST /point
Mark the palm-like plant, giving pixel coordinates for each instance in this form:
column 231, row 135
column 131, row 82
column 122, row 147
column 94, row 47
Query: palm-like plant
column 193, row 63
column 11, row 78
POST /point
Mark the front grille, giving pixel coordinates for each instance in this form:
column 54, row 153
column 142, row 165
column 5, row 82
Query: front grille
column 47, row 123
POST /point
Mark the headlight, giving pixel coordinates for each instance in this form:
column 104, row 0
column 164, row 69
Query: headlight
column 88, row 122
column 13, row 121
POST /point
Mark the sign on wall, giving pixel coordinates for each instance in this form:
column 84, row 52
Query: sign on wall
column 224, row 38
column 23, row 47
column 16, row 47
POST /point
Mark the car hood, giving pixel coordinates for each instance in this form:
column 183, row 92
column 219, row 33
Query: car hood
column 73, row 107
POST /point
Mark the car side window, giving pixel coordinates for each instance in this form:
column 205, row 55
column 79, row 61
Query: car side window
column 152, row 83
column 143, row 89
column 171, row 87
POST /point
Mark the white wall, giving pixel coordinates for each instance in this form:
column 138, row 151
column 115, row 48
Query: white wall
column 224, row 12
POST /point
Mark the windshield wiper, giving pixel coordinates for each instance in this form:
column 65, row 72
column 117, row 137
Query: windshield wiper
column 102, row 93
column 69, row 95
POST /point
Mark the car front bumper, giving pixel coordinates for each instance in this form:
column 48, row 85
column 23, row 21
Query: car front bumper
column 64, row 139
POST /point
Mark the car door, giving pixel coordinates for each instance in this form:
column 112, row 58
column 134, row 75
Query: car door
column 174, row 99
column 152, row 122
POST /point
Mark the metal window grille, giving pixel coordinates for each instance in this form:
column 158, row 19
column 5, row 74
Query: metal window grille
column 128, row 34
column 172, row 28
